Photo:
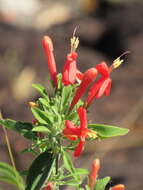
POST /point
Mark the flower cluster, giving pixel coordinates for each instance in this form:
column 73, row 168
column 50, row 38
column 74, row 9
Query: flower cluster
column 72, row 76
column 60, row 125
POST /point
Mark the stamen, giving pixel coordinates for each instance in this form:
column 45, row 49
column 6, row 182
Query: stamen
column 74, row 41
column 117, row 62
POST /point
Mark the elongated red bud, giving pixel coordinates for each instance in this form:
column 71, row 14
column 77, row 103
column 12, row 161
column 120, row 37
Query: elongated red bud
column 88, row 77
column 118, row 187
column 48, row 48
column 93, row 174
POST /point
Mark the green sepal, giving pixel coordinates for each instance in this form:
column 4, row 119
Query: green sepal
column 107, row 131
column 101, row 183
column 40, row 171
column 23, row 128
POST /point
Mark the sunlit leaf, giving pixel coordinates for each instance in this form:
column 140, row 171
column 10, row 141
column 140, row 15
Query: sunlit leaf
column 106, row 131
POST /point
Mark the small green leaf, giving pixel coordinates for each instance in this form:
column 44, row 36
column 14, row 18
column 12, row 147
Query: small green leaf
column 69, row 166
column 71, row 182
column 101, row 183
column 44, row 102
column 23, row 128
column 41, row 129
column 9, row 175
column 81, row 171
column 68, row 163
column 39, row 171
column 42, row 116
column 106, row 131
column 41, row 90
column 66, row 94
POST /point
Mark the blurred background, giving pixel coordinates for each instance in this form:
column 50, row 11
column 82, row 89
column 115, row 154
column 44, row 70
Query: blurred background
column 106, row 28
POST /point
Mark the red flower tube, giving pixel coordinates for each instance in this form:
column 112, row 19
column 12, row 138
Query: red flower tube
column 88, row 77
column 48, row 48
column 118, row 187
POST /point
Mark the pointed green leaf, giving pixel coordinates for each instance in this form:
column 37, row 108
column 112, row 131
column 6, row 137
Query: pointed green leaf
column 68, row 163
column 42, row 116
column 41, row 129
column 101, row 183
column 71, row 182
column 44, row 102
column 69, row 166
column 23, row 128
column 39, row 171
column 66, row 94
column 106, row 131
column 41, row 90
column 9, row 175
column 81, row 171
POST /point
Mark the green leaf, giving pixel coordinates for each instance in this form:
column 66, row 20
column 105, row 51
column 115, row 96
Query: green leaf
column 66, row 94
column 44, row 102
column 81, row 171
column 9, row 175
column 40, row 171
column 106, row 131
column 71, row 182
column 69, row 165
column 101, row 183
column 41, row 90
column 23, row 128
column 42, row 116
column 41, row 129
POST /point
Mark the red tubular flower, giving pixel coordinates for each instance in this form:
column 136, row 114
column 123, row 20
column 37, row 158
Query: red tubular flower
column 118, row 187
column 48, row 47
column 70, row 69
column 93, row 174
column 88, row 77
column 49, row 186
column 102, row 86
column 73, row 132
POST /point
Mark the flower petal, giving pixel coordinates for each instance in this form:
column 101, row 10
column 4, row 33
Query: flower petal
column 103, row 69
column 79, row 148
column 107, row 91
column 71, row 129
column 83, row 117
column 103, row 87
column 88, row 78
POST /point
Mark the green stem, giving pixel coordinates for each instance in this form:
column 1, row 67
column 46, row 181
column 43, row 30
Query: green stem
column 11, row 155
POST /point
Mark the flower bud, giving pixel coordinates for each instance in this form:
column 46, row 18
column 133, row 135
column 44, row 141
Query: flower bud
column 93, row 174
column 48, row 48
column 118, row 187
column 32, row 104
